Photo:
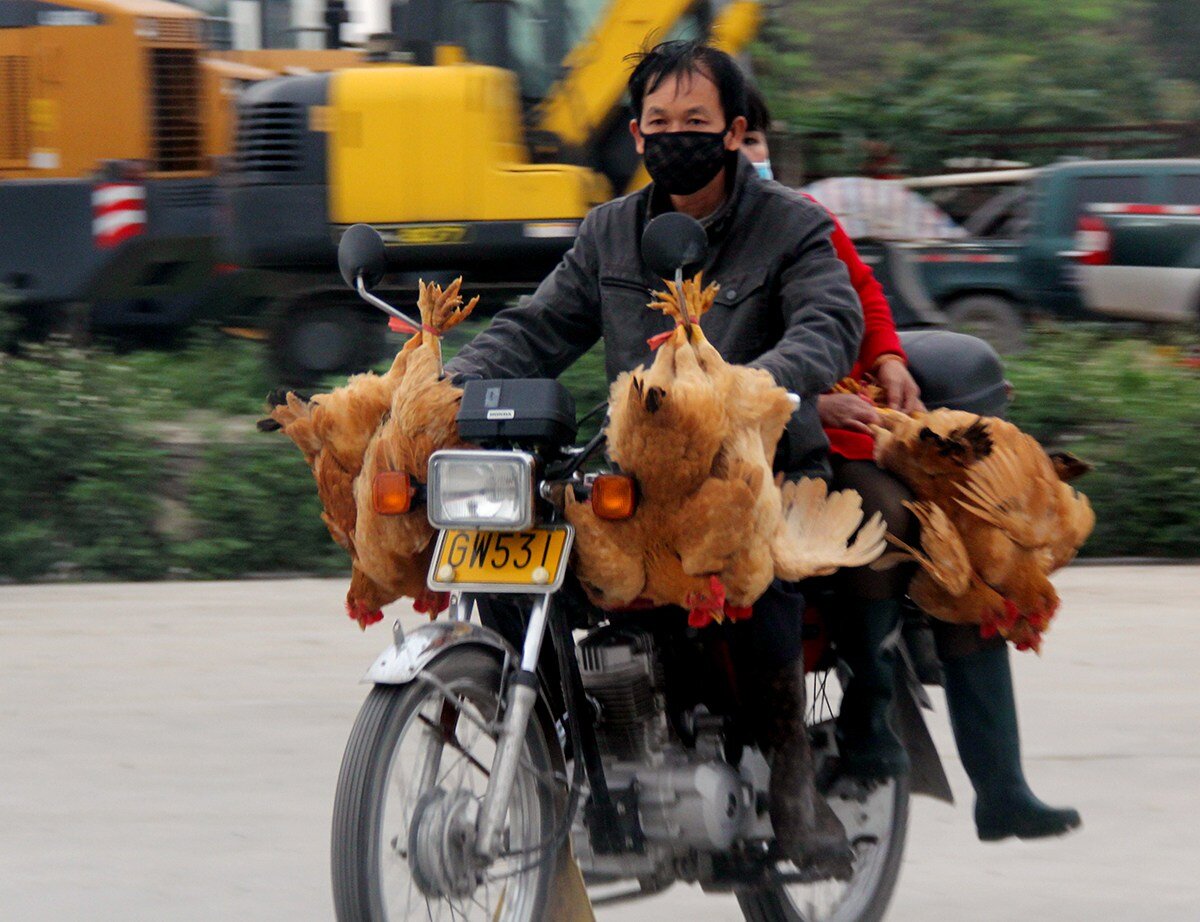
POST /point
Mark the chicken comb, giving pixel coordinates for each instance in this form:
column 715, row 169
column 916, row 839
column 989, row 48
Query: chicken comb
column 699, row 300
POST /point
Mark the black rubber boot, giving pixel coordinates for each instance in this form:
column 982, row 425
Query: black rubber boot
column 983, row 714
column 807, row 830
column 868, row 747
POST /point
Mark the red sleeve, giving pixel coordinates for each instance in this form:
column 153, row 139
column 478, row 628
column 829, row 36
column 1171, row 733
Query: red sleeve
column 879, row 335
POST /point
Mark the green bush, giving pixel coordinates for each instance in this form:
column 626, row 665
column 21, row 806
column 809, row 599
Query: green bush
column 254, row 509
column 89, row 489
column 1133, row 410
column 74, row 494
column 209, row 371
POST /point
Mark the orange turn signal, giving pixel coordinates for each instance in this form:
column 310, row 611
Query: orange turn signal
column 392, row 493
column 614, row 497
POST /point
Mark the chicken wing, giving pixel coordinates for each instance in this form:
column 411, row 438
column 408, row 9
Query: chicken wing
column 996, row 519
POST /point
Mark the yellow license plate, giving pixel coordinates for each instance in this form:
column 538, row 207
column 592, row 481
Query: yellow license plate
column 501, row 561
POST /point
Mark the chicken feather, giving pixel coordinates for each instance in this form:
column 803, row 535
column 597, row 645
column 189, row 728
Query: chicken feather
column 1009, row 495
column 996, row 518
column 699, row 436
column 815, row 529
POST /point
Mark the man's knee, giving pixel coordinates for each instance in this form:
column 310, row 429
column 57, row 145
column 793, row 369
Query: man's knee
column 777, row 626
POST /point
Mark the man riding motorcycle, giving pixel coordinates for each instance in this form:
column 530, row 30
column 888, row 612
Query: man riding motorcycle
column 786, row 306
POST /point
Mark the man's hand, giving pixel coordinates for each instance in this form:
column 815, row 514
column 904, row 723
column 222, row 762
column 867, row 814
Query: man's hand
column 902, row 391
column 846, row 411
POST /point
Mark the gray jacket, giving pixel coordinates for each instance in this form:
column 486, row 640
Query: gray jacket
column 786, row 303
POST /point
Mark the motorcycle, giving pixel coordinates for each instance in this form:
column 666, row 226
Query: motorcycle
column 485, row 762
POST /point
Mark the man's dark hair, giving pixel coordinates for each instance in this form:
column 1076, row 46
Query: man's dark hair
column 758, row 116
column 678, row 58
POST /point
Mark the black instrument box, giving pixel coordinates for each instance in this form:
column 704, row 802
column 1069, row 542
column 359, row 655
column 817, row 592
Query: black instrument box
column 520, row 410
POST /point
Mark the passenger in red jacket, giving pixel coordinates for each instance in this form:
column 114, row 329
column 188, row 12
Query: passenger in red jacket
column 867, row 626
column 979, row 691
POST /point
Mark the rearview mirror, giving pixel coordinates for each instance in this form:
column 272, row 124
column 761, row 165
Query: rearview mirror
column 361, row 253
column 674, row 244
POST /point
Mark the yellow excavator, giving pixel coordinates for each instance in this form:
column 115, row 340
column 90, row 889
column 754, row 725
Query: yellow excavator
column 476, row 150
column 113, row 115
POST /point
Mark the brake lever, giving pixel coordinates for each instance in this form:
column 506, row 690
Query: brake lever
column 576, row 461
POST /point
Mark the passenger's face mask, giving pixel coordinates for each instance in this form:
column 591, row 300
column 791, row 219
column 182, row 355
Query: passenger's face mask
column 684, row 162
column 764, row 169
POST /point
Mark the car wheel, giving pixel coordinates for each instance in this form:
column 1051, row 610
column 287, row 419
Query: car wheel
column 313, row 340
column 993, row 319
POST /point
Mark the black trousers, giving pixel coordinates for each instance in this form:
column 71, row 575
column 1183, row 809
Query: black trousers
column 882, row 493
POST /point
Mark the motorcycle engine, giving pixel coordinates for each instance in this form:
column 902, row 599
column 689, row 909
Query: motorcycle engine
column 623, row 676
column 688, row 800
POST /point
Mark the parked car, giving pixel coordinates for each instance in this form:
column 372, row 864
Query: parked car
column 1140, row 260
column 1022, row 259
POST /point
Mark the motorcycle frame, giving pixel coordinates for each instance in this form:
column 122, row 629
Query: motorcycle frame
column 410, row 656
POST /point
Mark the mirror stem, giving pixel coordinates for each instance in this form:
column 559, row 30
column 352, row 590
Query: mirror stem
column 361, row 287
column 687, row 318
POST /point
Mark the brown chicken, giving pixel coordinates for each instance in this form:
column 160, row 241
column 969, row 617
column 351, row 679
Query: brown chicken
column 997, row 518
column 394, row 550
column 333, row 431
column 713, row 527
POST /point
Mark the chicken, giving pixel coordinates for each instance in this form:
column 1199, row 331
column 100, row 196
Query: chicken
column 668, row 422
column 334, row 432
column 394, row 550
column 665, row 555
column 713, row 527
column 997, row 518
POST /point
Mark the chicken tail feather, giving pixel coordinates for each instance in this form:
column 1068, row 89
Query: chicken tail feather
column 815, row 538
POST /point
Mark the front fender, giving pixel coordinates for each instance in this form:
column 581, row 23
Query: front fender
column 412, row 652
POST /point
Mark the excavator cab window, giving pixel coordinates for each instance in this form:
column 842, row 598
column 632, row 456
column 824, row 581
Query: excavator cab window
column 534, row 40
column 531, row 38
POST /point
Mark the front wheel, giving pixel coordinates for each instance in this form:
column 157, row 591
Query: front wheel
column 411, row 784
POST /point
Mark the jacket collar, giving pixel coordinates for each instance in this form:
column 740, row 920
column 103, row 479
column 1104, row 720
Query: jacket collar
column 717, row 224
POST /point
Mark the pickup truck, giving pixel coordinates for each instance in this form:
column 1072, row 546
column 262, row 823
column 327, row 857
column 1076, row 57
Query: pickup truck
column 1022, row 258
column 1141, row 261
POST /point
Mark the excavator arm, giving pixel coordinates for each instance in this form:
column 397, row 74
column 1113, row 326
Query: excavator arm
column 581, row 106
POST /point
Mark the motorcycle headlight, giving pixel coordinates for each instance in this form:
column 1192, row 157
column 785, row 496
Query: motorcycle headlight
column 487, row 490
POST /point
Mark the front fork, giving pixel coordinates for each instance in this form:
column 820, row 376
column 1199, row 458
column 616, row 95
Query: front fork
column 521, row 697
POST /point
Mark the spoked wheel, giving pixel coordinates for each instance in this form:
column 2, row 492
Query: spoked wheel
column 411, row 785
column 876, row 823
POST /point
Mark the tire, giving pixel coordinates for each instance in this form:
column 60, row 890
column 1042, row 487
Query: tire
column 314, row 339
column 882, row 818
column 994, row 319
column 369, row 865
column 864, row 899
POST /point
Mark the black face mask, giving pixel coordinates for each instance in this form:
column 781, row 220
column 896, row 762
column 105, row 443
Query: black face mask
column 683, row 162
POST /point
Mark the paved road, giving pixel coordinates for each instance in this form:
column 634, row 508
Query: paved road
column 169, row 752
